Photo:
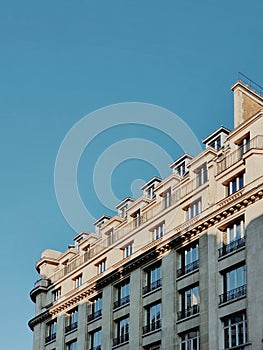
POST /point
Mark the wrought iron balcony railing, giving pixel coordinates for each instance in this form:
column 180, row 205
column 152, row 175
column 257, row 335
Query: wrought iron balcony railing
column 94, row 315
column 71, row 326
column 121, row 302
column 50, row 337
column 121, row 339
column 153, row 326
column 233, row 294
column 97, row 347
column 188, row 312
column 232, row 246
column 188, row 268
column 152, row 286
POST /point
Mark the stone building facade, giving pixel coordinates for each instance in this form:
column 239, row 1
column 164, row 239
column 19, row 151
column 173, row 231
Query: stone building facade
column 178, row 268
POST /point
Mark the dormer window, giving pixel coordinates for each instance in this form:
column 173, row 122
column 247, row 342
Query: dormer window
column 216, row 143
column 123, row 207
column 179, row 166
column 217, row 138
column 150, row 193
column 100, row 222
column 149, row 187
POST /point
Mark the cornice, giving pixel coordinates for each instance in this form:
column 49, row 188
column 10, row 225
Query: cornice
column 184, row 232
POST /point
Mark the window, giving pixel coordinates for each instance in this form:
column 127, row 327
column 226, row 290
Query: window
column 78, row 281
column 235, row 184
column 102, row 266
column 71, row 320
column 122, row 294
column 235, row 330
column 201, row 175
column 150, row 192
column 124, row 211
column 167, row 199
column 71, row 345
column 121, row 331
column 243, row 145
column 234, row 284
column 158, row 231
column 189, row 259
column 51, row 330
column 215, row 143
column 153, row 278
column 153, row 318
column 194, row 209
column 128, row 250
column 181, row 169
column 137, row 218
column 56, row 294
column 96, row 307
column 190, row 340
column 233, row 237
column 109, row 234
column 189, row 302
column 95, row 340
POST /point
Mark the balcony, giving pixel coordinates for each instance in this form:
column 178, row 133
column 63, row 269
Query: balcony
column 153, row 326
column 188, row 268
column 188, row 312
column 71, row 327
column 121, row 339
column 94, row 315
column 152, row 286
column 233, row 294
column 232, row 246
column 50, row 337
column 121, row 302
column 234, row 157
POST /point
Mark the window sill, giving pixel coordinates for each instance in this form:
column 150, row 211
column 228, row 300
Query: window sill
column 188, row 318
column 231, row 253
column 119, row 345
column 152, row 291
column 187, row 274
column 121, row 307
column 246, row 346
column 232, row 301
column 71, row 331
column 152, row 332
column 94, row 319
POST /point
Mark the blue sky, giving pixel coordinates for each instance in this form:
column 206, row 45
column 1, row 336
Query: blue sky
column 61, row 60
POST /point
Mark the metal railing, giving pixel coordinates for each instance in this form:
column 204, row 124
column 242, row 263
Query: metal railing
column 188, row 312
column 121, row 339
column 233, row 294
column 71, row 326
column 251, row 84
column 118, row 234
column 97, row 347
column 234, row 157
column 50, row 337
column 94, row 315
column 121, row 302
column 232, row 246
column 153, row 326
column 152, row 286
column 188, row 268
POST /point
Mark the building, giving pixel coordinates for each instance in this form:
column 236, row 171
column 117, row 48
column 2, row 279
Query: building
column 178, row 268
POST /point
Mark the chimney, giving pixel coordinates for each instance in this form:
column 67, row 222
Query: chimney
column 247, row 102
